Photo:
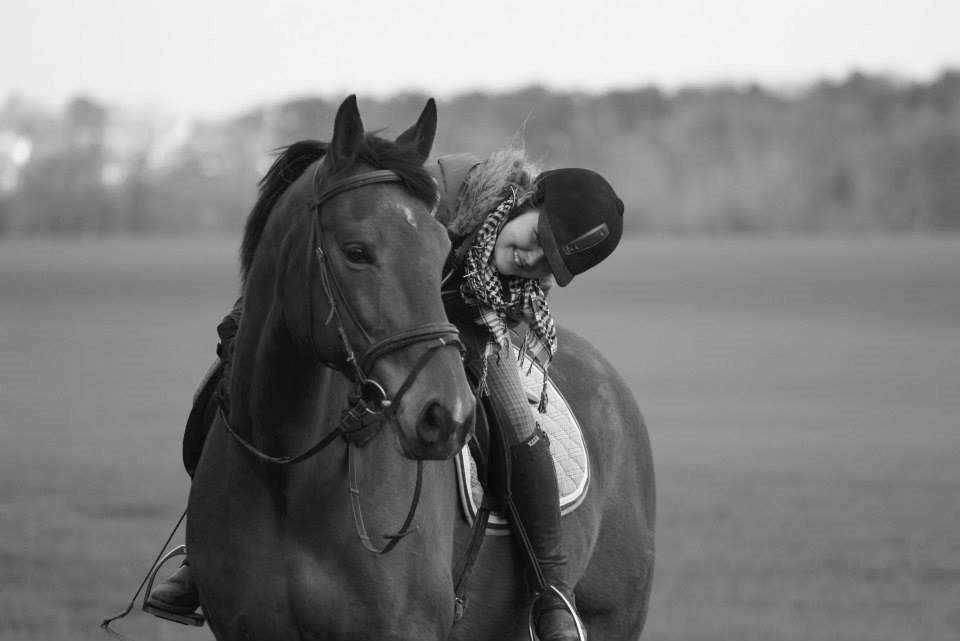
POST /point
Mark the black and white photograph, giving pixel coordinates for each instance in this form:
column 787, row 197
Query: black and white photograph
column 490, row 321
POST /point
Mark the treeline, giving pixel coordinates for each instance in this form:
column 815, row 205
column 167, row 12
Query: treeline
column 864, row 154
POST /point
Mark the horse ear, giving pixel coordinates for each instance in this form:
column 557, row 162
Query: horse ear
column 421, row 134
column 347, row 135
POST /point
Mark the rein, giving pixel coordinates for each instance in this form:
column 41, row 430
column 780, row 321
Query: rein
column 370, row 406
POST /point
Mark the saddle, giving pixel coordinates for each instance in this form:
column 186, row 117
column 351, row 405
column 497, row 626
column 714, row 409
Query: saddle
column 479, row 464
column 206, row 401
column 213, row 392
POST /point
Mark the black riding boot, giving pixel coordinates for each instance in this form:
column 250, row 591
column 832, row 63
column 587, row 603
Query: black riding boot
column 537, row 498
column 178, row 594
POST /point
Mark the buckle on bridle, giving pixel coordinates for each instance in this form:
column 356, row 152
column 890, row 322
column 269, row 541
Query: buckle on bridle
column 371, row 397
column 366, row 413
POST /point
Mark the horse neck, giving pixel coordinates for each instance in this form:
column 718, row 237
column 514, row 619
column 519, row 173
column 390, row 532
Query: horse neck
column 279, row 394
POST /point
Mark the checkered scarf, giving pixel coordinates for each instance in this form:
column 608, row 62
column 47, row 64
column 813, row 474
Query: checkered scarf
column 498, row 298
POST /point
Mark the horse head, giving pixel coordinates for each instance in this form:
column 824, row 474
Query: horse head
column 344, row 307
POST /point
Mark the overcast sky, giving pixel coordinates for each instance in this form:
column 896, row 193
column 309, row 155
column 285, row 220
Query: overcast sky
column 212, row 57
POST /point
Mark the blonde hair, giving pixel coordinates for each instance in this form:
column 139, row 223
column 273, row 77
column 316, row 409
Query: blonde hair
column 483, row 187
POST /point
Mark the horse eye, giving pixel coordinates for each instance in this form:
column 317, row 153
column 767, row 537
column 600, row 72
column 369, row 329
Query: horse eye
column 357, row 254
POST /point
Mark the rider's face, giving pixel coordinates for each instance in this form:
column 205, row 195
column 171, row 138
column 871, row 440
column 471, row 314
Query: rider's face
column 517, row 251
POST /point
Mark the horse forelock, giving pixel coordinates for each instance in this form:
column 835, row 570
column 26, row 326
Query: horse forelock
column 293, row 160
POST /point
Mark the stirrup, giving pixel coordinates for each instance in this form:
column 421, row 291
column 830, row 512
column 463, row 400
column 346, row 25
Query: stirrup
column 192, row 618
column 568, row 606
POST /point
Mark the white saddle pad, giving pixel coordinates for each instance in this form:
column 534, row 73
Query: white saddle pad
column 566, row 446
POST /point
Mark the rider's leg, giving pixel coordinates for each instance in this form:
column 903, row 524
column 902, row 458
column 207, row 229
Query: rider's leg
column 178, row 593
column 533, row 485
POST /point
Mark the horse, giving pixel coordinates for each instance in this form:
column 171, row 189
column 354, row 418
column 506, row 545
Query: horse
column 282, row 504
column 346, row 383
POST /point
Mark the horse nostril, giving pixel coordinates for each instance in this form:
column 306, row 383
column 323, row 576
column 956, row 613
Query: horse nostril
column 441, row 422
column 431, row 426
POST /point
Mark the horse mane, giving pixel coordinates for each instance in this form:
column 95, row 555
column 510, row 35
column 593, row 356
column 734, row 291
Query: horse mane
column 294, row 159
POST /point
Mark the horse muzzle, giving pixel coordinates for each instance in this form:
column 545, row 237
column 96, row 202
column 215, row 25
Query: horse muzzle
column 442, row 430
column 433, row 405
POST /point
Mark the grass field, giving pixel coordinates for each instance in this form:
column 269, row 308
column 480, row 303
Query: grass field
column 802, row 396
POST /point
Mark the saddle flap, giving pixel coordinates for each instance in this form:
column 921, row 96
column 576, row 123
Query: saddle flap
column 567, row 446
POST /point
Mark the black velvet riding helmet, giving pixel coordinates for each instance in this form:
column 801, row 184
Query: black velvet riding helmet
column 581, row 220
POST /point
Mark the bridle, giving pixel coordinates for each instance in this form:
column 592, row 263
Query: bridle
column 370, row 406
column 375, row 398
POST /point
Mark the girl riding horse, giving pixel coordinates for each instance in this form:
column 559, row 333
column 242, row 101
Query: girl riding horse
column 515, row 232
